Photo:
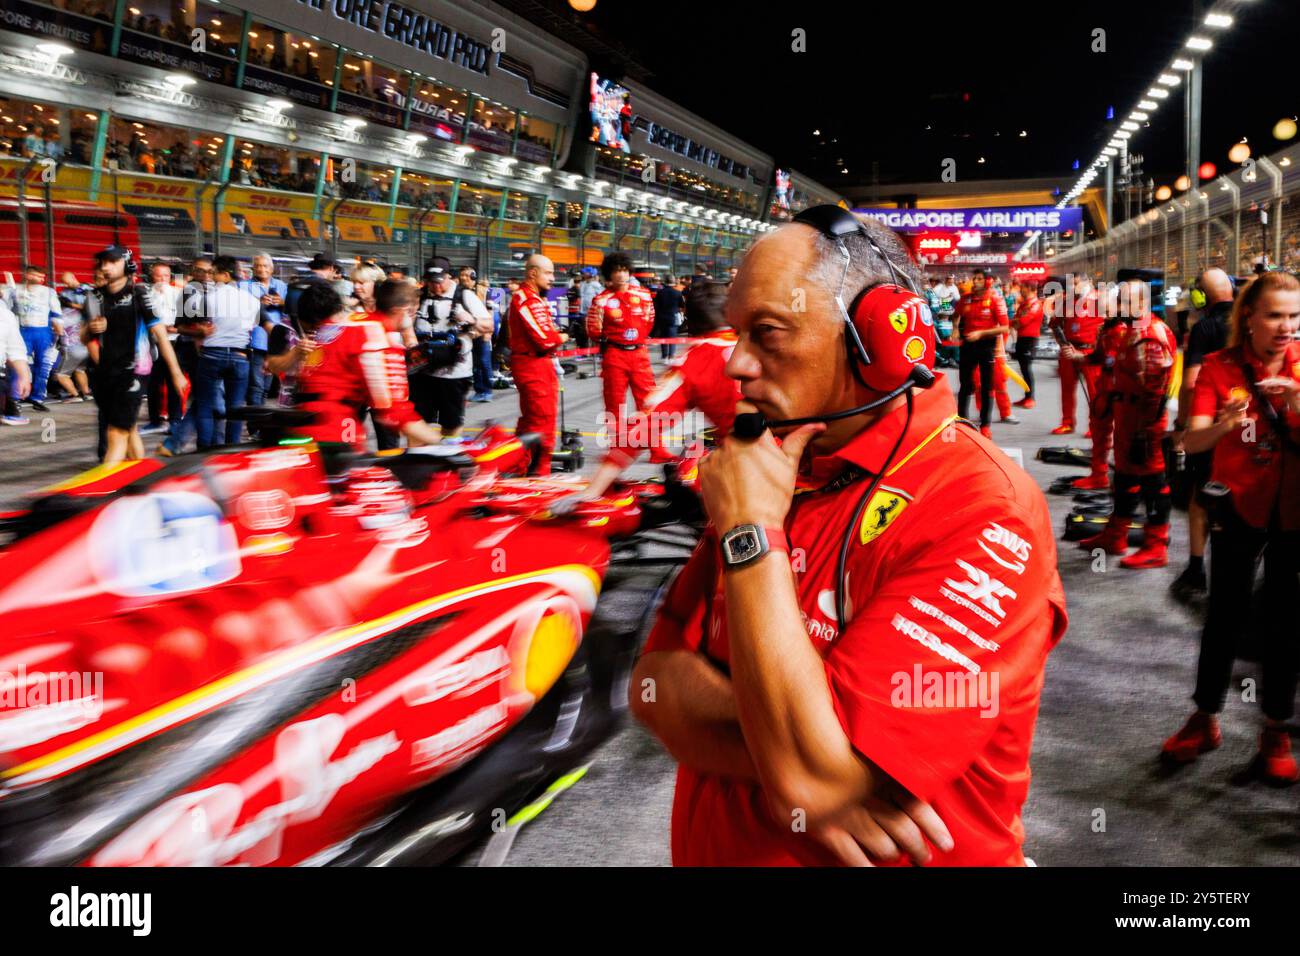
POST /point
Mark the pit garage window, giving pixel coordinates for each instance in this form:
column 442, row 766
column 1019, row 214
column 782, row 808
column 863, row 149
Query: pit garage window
column 536, row 143
column 491, row 127
column 600, row 219
column 138, row 147
column 478, row 201
column 426, row 192
column 563, row 215
column 372, row 91
column 194, row 37
column 523, row 207
column 438, row 111
column 274, row 167
column 287, row 65
column 350, row 178
column 36, row 130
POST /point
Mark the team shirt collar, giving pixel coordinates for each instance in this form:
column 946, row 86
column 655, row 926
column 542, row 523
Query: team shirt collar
column 934, row 409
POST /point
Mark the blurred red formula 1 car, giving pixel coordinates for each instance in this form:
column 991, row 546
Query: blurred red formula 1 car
column 264, row 657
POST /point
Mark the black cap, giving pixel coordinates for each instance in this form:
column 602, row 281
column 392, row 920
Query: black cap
column 436, row 268
column 321, row 261
column 112, row 253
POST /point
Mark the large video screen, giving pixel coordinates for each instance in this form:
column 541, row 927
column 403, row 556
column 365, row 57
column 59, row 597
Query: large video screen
column 611, row 114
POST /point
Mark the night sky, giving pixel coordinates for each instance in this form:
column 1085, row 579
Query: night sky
column 894, row 93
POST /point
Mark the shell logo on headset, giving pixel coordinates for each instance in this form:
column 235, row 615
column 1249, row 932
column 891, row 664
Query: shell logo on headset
column 914, row 349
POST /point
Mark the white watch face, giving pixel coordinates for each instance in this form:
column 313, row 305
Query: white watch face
column 744, row 544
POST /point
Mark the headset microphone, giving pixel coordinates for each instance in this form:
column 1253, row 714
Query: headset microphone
column 750, row 425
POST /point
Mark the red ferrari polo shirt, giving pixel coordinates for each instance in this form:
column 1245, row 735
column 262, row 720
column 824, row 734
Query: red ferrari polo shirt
column 1251, row 460
column 953, row 605
column 981, row 310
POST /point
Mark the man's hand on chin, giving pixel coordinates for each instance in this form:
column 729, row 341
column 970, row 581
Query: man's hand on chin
column 752, row 482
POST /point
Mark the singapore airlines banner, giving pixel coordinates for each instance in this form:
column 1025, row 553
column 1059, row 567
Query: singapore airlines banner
column 993, row 219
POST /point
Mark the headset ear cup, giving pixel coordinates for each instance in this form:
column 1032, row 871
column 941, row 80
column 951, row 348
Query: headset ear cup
column 896, row 330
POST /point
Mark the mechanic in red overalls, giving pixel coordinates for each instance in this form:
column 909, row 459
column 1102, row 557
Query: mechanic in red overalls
column 1246, row 409
column 697, row 380
column 1080, row 329
column 1111, row 337
column 789, row 688
column 533, row 341
column 1028, row 323
column 981, row 319
column 620, row 319
column 350, row 366
column 1144, row 366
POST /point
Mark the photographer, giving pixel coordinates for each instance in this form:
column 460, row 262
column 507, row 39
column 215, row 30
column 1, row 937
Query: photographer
column 440, row 393
column 1246, row 408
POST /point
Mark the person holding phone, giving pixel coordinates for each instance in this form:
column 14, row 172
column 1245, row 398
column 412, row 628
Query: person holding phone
column 1246, row 408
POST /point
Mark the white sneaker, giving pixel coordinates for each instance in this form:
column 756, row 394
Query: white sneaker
column 14, row 420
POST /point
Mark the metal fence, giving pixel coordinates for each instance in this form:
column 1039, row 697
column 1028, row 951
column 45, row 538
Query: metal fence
column 1231, row 223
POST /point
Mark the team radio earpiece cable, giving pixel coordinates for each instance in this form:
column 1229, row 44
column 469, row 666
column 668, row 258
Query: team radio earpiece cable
column 834, row 224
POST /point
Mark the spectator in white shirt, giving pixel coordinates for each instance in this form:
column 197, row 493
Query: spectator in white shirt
column 37, row 307
column 222, row 369
column 13, row 353
column 166, row 301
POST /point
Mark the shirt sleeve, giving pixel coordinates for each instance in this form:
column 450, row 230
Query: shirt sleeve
column 384, row 370
column 595, row 318
column 535, row 318
column 1198, row 341
column 679, row 624
column 1205, row 396
column 144, row 306
column 955, row 636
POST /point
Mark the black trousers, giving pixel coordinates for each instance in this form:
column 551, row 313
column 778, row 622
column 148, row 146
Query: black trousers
column 1151, row 490
column 1235, row 549
column 1025, row 345
column 978, row 354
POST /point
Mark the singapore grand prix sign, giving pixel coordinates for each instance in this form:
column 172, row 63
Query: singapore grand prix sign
column 410, row 27
column 993, row 219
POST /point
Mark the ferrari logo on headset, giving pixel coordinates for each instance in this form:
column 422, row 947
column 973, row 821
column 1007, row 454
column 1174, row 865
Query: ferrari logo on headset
column 882, row 509
column 898, row 319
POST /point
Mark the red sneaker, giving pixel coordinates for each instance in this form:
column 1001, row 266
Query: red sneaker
column 986, row 431
column 1088, row 433
column 1091, row 483
column 1065, row 428
column 661, row 456
column 1026, row 403
column 1199, row 735
column 1276, row 762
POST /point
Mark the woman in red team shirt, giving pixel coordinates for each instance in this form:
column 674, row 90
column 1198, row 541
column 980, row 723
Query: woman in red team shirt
column 1246, row 407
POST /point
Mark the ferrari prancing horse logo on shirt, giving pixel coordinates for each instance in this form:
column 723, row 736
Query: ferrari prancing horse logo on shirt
column 882, row 509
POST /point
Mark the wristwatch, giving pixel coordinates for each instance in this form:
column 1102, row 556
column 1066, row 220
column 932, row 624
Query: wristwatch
column 746, row 543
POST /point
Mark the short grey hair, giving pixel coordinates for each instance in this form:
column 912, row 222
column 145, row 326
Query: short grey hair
column 262, row 255
column 866, row 267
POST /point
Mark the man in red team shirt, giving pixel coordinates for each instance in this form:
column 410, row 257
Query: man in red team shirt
column 352, row 366
column 1144, row 365
column 1079, row 319
column 620, row 319
column 533, row 341
column 697, row 380
column 981, row 322
column 1028, row 323
column 798, row 744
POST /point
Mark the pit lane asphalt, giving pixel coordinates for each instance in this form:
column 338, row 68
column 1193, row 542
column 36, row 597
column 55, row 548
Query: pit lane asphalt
column 1119, row 682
